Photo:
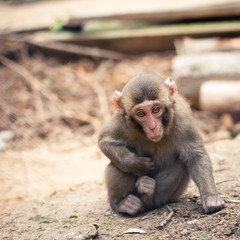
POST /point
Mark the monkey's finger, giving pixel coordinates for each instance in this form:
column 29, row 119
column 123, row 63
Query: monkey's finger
column 150, row 185
column 131, row 209
column 148, row 159
column 133, row 200
column 146, row 191
column 145, row 180
column 149, row 181
column 132, row 205
column 150, row 165
column 146, row 185
column 213, row 209
column 213, row 204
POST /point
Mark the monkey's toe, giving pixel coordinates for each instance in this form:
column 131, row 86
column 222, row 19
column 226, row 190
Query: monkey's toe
column 131, row 205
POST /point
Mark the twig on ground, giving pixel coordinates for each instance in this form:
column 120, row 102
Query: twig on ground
column 93, row 82
column 227, row 180
column 56, row 105
column 232, row 200
column 167, row 219
column 33, row 82
column 102, row 97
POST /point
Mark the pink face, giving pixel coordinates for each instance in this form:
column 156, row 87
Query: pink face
column 149, row 115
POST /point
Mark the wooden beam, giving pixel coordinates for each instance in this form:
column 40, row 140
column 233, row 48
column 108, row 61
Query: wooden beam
column 192, row 46
column 43, row 14
column 207, row 65
column 80, row 50
column 158, row 38
column 226, row 10
column 220, row 96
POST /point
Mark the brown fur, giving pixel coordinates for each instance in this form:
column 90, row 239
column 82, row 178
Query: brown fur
column 166, row 164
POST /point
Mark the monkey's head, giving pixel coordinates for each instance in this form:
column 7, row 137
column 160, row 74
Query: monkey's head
column 147, row 102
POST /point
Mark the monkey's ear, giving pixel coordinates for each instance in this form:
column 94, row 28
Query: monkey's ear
column 172, row 87
column 117, row 97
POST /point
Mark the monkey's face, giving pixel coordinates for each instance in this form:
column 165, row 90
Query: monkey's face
column 148, row 101
column 149, row 114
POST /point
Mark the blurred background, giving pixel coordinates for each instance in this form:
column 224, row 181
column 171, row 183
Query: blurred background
column 61, row 60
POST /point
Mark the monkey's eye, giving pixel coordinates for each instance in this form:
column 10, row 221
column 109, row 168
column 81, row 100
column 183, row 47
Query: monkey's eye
column 156, row 109
column 140, row 113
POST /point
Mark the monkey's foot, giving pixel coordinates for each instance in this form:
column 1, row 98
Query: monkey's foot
column 213, row 204
column 146, row 187
column 131, row 205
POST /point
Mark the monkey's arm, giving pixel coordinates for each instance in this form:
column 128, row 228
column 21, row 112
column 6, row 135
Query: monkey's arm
column 115, row 142
column 200, row 169
column 127, row 161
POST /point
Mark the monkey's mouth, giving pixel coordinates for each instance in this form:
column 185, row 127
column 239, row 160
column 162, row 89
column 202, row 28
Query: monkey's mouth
column 155, row 138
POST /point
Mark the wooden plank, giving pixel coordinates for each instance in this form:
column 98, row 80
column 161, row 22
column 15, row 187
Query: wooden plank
column 190, row 88
column 220, row 96
column 80, row 51
column 171, row 14
column 192, row 46
column 157, row 38
column 191, row 71
column 44, row 14
column 207, row 65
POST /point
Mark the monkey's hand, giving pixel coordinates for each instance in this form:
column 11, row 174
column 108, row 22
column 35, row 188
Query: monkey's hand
column 142, row 166
column 212, row 204
column 131, row 205
column 146, row 187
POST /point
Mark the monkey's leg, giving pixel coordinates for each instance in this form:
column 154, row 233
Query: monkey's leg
column 170, row 183
column 121, row 187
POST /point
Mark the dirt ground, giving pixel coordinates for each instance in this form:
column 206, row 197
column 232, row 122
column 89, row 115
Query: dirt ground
column 53, row 186
column 57, row 191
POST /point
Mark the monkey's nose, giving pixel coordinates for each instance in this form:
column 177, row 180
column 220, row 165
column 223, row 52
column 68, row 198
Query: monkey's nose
column 153, row 128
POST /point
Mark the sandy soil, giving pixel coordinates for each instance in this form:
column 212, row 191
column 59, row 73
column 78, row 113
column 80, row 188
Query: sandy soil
column 56, row 191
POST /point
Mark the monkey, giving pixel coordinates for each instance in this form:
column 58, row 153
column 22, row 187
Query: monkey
column 154, row 149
